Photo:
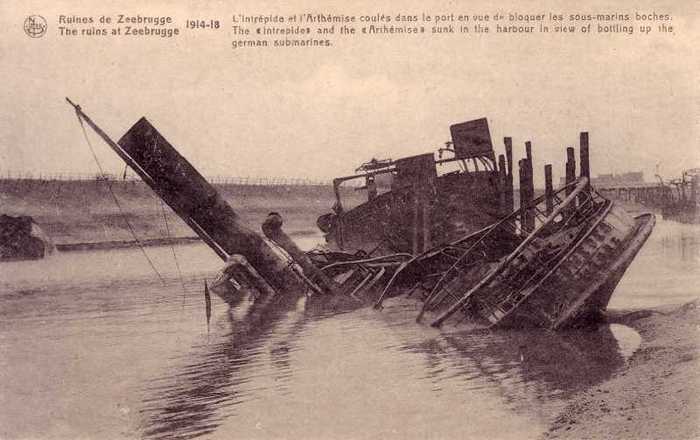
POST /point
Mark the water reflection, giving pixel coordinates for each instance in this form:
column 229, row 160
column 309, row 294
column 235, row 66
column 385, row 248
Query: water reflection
column 268, row 359
column 100, row 323
column 214, row 376
column 664, row 271
column 679, row 242
column 548, row 364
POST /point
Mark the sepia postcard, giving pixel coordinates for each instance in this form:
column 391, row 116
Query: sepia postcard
column 349, row 220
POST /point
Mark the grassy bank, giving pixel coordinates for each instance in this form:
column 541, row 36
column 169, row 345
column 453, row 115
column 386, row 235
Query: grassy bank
column 83, row 211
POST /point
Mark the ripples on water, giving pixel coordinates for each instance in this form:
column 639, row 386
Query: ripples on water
column 94, row 346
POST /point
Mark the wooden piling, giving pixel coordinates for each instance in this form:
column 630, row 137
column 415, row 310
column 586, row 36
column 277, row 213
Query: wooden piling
column 527, row 220
column 548, row 189
column 583, row 154
column 522, row 192
column 503, row 185
column 510, row 203
column 530, row 174
column 570, row 169
column 528, row 151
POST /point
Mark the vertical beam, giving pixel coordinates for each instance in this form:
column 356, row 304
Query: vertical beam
column 530, row 187
column 510, row 203
column 548, row 188
column 527, row 219
column 522, row 167
column 416, row 229
column 528, row 150
column 502, row 180
column 583, row 153
column 530, row 179
column 570, row 168
column 427, row 226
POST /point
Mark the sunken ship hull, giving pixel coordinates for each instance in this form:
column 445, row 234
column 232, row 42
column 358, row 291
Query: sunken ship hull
column 577, row 291
column 426, row 201
column 22, row 239
column 553, row 263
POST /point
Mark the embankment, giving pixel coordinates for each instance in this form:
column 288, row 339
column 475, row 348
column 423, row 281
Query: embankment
column 74, row 212
column 656, row 396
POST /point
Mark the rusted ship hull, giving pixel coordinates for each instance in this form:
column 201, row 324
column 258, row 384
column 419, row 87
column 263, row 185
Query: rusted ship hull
column 22, row 239
column 398, row 221
column 559, row 272
column 579, row 289
column 428, row 201
column 552, row 263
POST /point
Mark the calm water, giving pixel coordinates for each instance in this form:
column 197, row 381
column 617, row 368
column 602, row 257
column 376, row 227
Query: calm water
column 93, row 345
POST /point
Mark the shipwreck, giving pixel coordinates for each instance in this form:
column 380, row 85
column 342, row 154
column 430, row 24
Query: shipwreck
column 439, row 227
column 22, row 239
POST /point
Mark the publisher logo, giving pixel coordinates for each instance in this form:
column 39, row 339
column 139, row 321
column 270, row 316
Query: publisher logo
column 35, row 26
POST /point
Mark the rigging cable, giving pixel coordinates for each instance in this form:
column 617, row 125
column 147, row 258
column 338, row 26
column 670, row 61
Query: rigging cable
column 116, row 200
column 177, row 263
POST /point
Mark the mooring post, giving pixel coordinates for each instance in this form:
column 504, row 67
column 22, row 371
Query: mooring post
column 510, row 204
column 548, row 188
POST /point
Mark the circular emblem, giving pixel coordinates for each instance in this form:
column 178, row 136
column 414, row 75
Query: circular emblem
column 35, row 26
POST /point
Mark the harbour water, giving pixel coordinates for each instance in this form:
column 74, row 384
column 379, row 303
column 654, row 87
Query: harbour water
column 94, row 345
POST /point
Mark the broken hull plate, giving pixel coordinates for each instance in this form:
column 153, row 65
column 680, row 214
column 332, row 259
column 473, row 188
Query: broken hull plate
column 578, row 290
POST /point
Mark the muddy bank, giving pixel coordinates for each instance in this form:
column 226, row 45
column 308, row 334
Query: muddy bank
column 75, row 213
column 656, row 396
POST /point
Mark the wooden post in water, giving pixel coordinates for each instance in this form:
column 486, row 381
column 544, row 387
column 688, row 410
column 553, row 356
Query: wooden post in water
column 510, row 204
column 522, row 192
column 530, row 187
column 583, row 153
column 548, row 188
column 528, row 151
column 530, row 182
column 527, row 220
column 570, row 168
column 503, row 183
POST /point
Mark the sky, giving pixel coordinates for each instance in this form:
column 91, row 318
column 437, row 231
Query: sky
column 320, row 112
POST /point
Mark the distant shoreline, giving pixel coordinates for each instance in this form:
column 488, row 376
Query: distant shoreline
column 121, row 244
column 81, row 214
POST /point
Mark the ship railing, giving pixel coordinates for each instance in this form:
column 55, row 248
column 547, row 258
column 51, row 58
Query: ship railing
column 574, row 209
